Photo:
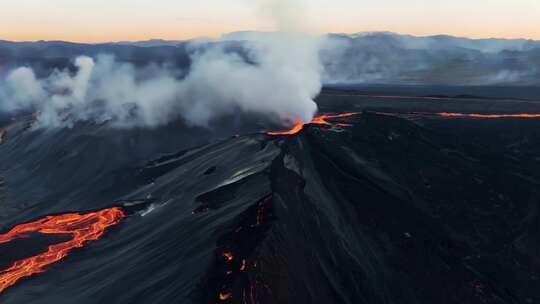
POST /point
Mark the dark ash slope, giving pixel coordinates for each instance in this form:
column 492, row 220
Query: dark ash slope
column 396, row 209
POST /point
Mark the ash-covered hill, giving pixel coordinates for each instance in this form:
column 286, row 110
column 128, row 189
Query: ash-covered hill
column 391, row 205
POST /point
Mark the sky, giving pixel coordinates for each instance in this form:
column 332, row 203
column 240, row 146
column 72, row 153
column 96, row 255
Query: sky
column 119, row 20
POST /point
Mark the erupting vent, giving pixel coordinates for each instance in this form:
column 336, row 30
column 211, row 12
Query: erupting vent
column 82, row 227
column 318, row 120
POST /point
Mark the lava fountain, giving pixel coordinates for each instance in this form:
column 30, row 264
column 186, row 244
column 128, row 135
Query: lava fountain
column 317, row 120
column 82, row 227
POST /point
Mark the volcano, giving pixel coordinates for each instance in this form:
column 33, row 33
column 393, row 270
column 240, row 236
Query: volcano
column 387, row 199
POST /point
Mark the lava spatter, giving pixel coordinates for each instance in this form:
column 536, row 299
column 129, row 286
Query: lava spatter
column 228, row 255
column 82, row 227
column 232, row 273
column 317, row 120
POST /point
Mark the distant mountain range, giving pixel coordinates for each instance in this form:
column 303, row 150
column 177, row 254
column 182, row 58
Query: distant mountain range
column 407, row 41
column 405, row 59
column 376, row 57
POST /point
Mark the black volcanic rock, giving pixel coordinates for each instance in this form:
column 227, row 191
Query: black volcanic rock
column 397, row 208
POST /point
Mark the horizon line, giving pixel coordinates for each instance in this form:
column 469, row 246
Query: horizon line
column 218, row 36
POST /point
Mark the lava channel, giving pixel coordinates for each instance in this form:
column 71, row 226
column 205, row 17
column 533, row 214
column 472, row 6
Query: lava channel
column 82, row 227
column 476, row 115
column 317, row 120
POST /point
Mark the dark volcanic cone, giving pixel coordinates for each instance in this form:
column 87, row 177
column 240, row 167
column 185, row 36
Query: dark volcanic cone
column 354, row 222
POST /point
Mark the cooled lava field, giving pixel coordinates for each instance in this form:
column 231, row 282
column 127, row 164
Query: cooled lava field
column 381, row 199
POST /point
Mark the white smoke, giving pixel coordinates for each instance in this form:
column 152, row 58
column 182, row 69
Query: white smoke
column 280, row 78
column 21, row 88
column 282, row 81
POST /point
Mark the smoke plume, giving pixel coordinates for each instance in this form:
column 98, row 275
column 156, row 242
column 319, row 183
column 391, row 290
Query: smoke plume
column 277, row 75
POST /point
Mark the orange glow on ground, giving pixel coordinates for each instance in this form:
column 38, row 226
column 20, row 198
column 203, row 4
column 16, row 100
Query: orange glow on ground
column 317, row 120
column 82, row 227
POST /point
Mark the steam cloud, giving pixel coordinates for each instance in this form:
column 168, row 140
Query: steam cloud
column 279, row 77
column 281, row 82
column 275, row 74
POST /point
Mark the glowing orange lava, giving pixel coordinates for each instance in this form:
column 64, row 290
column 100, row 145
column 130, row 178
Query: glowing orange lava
column 321, row 120
column 317, row 120
column 82, row 227
column 297, row 128
column 224, row 296
column 228, row 255
column 476, row 115
column 243, row 266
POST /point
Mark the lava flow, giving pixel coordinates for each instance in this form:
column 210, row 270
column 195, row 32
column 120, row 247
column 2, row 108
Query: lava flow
column 297, row 128
column 476, row 115
column 234, row 270
column 82, row 227
column 317, row 120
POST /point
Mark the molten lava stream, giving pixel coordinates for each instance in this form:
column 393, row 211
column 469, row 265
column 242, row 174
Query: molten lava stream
column 476, row 115
column 321, row 120
column 317, row 120
column 297, row 128
column 82, row 227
